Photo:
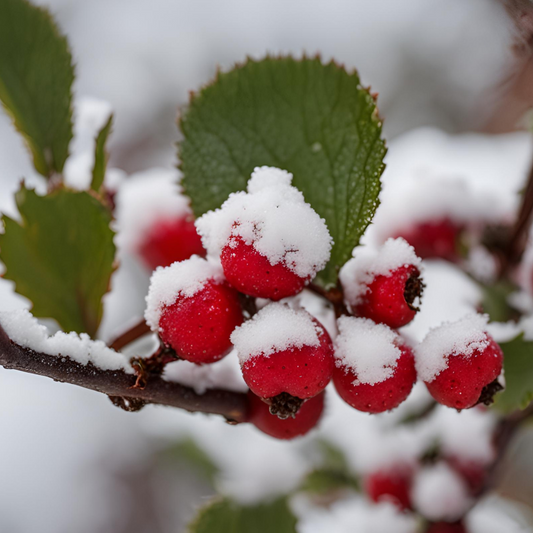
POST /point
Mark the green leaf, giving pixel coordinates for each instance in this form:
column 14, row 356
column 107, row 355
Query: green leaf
column 496, row 301
column 60, row 256
column 188, row 451
column 36, row 75
column 225, row 516
column 518, row 368
column 313, row 120
column 100, row 155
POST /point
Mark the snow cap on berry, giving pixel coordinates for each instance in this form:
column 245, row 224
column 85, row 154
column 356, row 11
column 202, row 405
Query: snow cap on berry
column 145, row 199
column 368, row 263
column 462, row 337
column 182, row 278
column 370, row 350
column 275, row 328
column 439, row 493
column 274, row 217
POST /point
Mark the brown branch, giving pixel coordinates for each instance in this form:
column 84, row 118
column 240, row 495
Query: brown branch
column 132, row 334
column 118, row 384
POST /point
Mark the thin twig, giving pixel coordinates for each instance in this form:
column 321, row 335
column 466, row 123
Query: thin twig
column 132, row 334
column 119, row 384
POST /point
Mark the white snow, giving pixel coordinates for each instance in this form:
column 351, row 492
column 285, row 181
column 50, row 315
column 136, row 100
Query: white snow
column 274, row 217
column 370, row 350
column 24, row 329
column 145, row 199
column 462, row 337
column 352, row 515
column 439, row 493
column 495, row 514
column 275, row 328
column 223, row 374
column 369, row 262
column 182, row 278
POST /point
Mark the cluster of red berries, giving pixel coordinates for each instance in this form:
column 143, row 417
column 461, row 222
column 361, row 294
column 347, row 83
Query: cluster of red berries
column 268, row 243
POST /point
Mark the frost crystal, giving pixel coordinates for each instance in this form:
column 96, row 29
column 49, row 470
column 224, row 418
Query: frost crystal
column 368, row 263
column 274, row 217
column 370, row 350
column 462, row 337
column 182, row 278
column 24, row 329
column 275, row 328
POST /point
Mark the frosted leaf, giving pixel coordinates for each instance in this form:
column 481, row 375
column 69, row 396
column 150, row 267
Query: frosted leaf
column 368, row 263
column 275, row 328
column 273, row 217
column 24, row 329
column 439, row 493
column 182, row 278
column 369, row 350
column 462, row 337
column 145, row 199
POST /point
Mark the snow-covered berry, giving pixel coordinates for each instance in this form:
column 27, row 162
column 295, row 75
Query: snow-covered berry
column 301, row 423
column 283, row 351
column 155, row 219
column 460, row 363
column 384, row 285
column 439, row 493
column 374, row 368
column 439, row 239
column 392, row 484
column 269, row 240
column 193, row 310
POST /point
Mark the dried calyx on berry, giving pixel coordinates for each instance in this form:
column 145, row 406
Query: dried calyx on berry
column 374, row 368
column 460, row 363
column 301, row 423
column 284, row 353
column 193, row 309
column 155, row 219
column 269, row 240
column 384, row 285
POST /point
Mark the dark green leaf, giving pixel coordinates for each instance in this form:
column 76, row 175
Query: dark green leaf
column 225, row 516
column 188, row 451
column 36, row 76
column 314, row 120
column 518, row 367
column 323, row 480
column 60, row 256
column 101, row 155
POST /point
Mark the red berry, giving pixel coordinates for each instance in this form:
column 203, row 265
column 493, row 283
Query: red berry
column 446, row 527
column 468, row 380
column 390, row 299
column 375, row 370
column 434, row 239
column 304, row 420
column 171, row 240
column 198, row 327
column 284, row 351
column 474, row 473
column 390, row 485
column 252, row 273
column 382, row 396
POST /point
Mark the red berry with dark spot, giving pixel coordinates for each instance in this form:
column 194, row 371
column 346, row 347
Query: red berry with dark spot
column 434, row 239
column 283, row 350
column 393, row 485
column 305, row 419
column 446, row 527
column 171, row 240
column 198, row 327
column 252, row 273
column 469, row 380
column 392, row 299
